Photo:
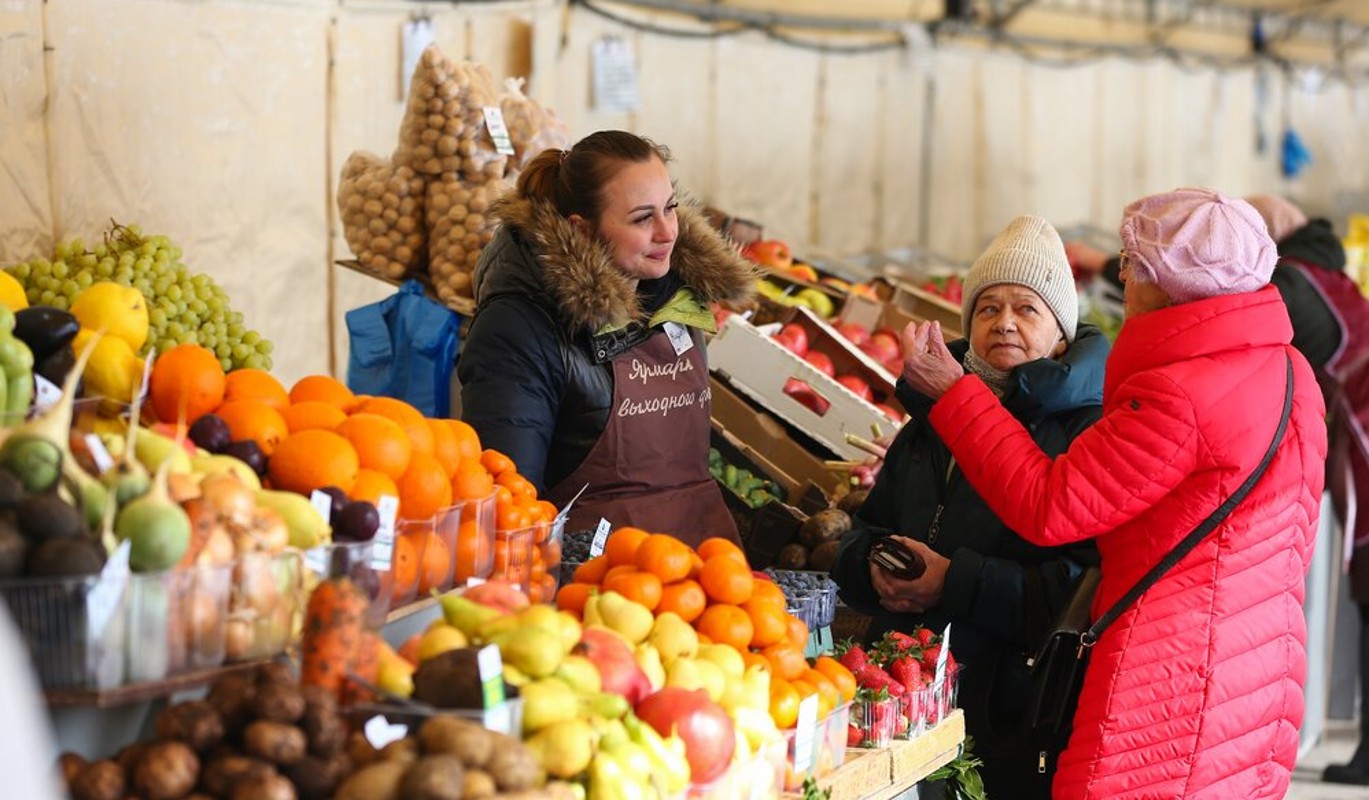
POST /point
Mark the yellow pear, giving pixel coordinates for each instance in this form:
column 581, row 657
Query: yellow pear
column 535, row 651
column 438, row 639
column 465, row 614
column 547, row 702
column 493, row 628
column 683, row 673
column 569, row 628
column 580, row 674
column 711, row 678
column 633, row 620
column 564, row 749
column 673, row 637
column 538, row 615
column 650, row 661
column 727, row 657
column 395, row 676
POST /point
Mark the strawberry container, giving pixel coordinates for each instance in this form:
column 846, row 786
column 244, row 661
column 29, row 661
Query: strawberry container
column 873, row 722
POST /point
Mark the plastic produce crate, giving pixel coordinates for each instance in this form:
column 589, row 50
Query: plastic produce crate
column 71, row 644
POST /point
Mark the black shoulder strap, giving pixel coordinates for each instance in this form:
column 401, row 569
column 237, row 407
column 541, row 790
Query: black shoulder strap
column 1204, row 528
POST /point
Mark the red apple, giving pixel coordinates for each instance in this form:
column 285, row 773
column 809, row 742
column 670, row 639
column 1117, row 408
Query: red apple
column 821, row 361
column 794, row 338
column 709, row 737
column 858, row 385
column 771, row 253
column 618, row 670
column 882, row 349
column 804, row 394
column 855, row 333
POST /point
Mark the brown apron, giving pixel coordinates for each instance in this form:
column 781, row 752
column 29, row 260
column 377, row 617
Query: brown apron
column 649, row 468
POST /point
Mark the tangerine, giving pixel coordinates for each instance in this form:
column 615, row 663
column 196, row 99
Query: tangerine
column 621, row 545
column 371, row 486
column 322, row 389
column 841, row 677
column 437, row 564
column 663, row 556
column 517, row 484
column 797, row 633
column 467, row 440
column 639, row 587
column 591, row 571
column 255, row 384
column 725, row 624
column 249, row 419
column 829, row 697
column 380, row 442
column 496, row 462
column 472, row 551
column 312, row 414
column 404, row 566
column 187, row 382
column 686, row 598
column 767, row 591
column 718, row 546
column 423, row 488
column 311, row 460
column 409, row 418
column 726, row 580
column 510, row 515
column 786, row 661
column 767, row 621
column 471, row 481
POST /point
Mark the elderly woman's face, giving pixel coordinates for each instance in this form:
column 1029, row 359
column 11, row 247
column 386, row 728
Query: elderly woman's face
column 1012, row 325
column 1139, row 296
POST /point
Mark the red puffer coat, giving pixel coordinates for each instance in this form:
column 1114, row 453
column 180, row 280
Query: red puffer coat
column 1196, row 691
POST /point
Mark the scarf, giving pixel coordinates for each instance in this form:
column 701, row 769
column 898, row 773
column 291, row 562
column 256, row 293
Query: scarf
column 993, row 377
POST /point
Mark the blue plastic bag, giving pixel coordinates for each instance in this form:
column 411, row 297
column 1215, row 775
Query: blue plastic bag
column 404, row 347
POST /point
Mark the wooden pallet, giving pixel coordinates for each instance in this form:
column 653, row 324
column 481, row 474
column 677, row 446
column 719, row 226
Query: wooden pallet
column 889, row 771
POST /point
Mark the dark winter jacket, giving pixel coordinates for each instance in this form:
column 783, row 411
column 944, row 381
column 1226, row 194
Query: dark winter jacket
column 992, row 570
column 553, row 312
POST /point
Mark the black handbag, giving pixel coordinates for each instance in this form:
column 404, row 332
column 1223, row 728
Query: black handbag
column 1057, row 669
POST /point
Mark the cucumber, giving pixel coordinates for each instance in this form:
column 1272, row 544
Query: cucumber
column 730, row 475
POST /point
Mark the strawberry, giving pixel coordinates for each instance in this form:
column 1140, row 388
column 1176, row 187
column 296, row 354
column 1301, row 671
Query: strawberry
column 906, row 671
column 855, row 658
column 900, row 640
column 873, row 678
column 854, row 735
column 929, row 657
column 924, row 636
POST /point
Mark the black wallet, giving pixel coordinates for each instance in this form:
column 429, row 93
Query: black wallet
column 897, row 559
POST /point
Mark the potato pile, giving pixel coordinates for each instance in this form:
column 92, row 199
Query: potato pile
column 426, row 209
column 819, row 539
column 382, row 215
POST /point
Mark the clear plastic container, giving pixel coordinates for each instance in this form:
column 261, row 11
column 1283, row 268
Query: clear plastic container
column 72, row 643
column 177, row 621
column 545, row 578
column 408, row 560
column 829, row 748
column 926, row 707
column 470, row 527
column 435, row 549
column 352, row 560
column 513, row 556
column 266, row 599
column 876, row 720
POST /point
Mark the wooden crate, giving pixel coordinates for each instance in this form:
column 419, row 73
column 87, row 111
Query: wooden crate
column 915, row 759
column 864, row 773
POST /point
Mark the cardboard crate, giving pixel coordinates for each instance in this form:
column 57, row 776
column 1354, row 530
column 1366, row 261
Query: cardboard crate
column 764, row 441
column 759, row 367
column 898, row 304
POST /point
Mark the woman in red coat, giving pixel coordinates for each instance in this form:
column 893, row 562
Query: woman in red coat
column 1196, row 690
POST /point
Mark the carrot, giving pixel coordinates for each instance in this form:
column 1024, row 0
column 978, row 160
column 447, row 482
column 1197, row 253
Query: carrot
column 332, row 634
column 366, row 666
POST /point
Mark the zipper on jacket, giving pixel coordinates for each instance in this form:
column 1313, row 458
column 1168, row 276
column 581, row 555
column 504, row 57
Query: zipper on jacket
column 935, row 528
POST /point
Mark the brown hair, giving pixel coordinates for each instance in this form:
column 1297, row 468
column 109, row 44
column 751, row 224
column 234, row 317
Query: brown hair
column 573, row 180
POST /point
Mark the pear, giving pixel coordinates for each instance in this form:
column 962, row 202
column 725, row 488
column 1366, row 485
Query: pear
column 395, row 676
column 569, row 628
column 683, row 673
column 673, row 637
column 565, row 748
column 495, row 627
column 725, row 656
column 633, row 620
column 711, row 678
column 465, row 614
column 536, row 652
column 547, row 702
column 438, row 639
column 650, row 661
column 580, row 674
column 605, row 705
column 539, row 615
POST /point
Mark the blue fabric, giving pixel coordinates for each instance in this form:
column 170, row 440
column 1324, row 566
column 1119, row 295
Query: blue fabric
column 404, row 347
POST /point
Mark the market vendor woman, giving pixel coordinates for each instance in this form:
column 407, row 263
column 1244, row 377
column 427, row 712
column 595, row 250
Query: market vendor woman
column 585, row 361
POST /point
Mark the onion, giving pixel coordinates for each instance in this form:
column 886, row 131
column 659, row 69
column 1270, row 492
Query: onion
column 227, row 495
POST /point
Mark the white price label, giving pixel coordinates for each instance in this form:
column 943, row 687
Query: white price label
column 379, row 732
column 596, row 545
column 45, row 393
column 316, row 559
column 679, row 337
column 99, row 454
column 805, row 733
column 102, row 603
column 499, row 132
column 323, row 504
column 383, row 551
column 558, row 525
column 388, row 509
column 474, row 581
column 490, row 664
column 943, row 655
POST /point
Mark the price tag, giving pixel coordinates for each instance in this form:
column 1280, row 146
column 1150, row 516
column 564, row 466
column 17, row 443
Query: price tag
column 383, row 546
column 45, row 393
column 316, row 559
column 379, row 732
column 943, row 655
column 102, row 603
column 491, row 667
column 558, row 525
column 679, row 337
column 99, row 453
column 500, row 718
column 596, row 545
column 805, row 733
column 323, row 504
column 474, row 581
column 499, row 132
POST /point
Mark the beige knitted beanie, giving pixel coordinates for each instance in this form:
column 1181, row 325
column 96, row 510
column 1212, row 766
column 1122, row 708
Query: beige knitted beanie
column 1028, row 253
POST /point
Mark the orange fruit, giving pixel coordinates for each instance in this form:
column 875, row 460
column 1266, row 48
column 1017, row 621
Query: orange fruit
column 409, row 418
column 322, row 389
column 311, row 415
column 726, row 580
column 496, row 462
column 663, row 556
column 255, row 384
column 786, row 661
column 767, row 622
column 797, row 633
column 621, row 545
column 546, row 511
column 510, row 516
column 311, row 460
column 686, row 598
column 591, row 571
column 446, row 449
column 725, row 624
column 838, row 674
column 639, row 587
column 249, row 419
column 829, row 697
column 404, row 565
column 753, row 659
column 517, row 484
column 767, row 591
column 371, row 485
column 471, row 481
column 423, row 488
column 784, row 703
column 187, row 382
column 472, row 551
column 572, row 597
column 381, row 444
column 468, row 442
column 437, row 564
column 621, row 569
column 718, row 546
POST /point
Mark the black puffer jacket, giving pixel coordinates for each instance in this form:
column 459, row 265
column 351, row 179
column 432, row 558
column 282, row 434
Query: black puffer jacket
column 992, row 571
column 535, row 368
column 1317, row 333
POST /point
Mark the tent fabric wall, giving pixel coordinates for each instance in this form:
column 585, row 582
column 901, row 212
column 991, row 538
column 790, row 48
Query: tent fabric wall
column 224, row 124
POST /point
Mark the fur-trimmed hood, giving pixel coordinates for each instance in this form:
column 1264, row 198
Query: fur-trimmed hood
column 576, row 275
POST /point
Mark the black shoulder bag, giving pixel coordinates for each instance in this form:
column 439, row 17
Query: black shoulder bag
column 1057, row 669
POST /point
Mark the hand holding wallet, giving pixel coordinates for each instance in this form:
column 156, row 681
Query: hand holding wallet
column 897, row 559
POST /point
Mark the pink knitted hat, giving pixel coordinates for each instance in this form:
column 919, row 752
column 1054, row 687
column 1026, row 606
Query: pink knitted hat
column 1280, row 216
column 1196, row 243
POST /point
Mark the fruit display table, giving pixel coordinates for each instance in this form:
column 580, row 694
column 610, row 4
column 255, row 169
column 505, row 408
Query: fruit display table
column 886, row 773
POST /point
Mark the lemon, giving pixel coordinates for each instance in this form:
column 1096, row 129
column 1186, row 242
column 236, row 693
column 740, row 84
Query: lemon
column 114, row 371
column 119, row 311
column 12, row 293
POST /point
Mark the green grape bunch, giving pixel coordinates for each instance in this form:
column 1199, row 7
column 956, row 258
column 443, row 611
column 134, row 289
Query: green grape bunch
column 182, row 307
